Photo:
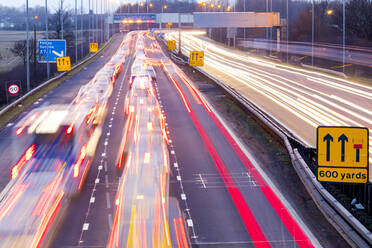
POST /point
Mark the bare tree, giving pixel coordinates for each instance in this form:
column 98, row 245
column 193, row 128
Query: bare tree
column 19, row 49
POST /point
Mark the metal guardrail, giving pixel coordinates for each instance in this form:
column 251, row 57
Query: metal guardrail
column 13, row 104
column 343, row 221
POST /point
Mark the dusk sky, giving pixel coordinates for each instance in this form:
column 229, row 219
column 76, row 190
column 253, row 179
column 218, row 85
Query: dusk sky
column 52, row 3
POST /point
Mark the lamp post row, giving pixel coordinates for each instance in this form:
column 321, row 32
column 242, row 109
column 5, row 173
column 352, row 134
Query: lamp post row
column 104, row 7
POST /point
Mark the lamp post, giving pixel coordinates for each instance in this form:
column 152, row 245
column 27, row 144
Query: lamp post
column 81, row 27
column 61, row 19
column 343, row 35
column 162, row 11
column 76, row 33
column 287, row 33
column 47, row 37
column 312, row 33
column 27, row 50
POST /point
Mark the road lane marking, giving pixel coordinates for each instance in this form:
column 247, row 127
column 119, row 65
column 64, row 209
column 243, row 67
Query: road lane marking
column 202, row 181
column 92, row 199
column 175, row 165
column 100, row 167
column 106, row 181
column 85, row 226
column 96, row 181
column 178, row 178
column 108, row 200
column 183, row 196
column 109, row 217
column 190, row 223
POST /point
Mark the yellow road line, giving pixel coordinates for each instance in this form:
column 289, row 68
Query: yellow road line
column 131, row 233
column 341, row 66
column 301, row 58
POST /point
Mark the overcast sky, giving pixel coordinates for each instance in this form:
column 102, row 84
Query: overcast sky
column 54, row 3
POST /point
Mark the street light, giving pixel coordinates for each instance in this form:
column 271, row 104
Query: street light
column 329, row 11
column 162, row 11
column 47, row 37
column 27, row 51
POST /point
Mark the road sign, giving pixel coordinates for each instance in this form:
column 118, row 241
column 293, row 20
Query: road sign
column 93, row 47
column 172, row 45
column 196, row 58
column 13, row 89
column 342, row 154
column 63, row 64
column 51, row 50
column 133, row 18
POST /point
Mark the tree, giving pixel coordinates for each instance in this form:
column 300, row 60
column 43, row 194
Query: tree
column 55, row 21
column 20, row 49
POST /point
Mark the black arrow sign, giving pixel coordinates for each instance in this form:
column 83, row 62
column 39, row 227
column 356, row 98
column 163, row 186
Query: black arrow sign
column 328, row 138
column 343, row 138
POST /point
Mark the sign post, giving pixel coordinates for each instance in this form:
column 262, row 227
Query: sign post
column 172, row 45
column 63, row 64
column 93, row 47
column 50, row 50
column 196, row 58
column 342, row 154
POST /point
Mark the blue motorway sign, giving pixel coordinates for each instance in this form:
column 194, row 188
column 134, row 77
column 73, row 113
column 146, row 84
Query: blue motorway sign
column 133, row 16
column 49, row 51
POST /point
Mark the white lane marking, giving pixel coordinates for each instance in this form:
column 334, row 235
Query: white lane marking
column 175, row 165
column 85, row 226
column 178, row 178
column 10, row 124
column 172, row 152
column 183, row 196
column 202, row 181
column 167, row 132
column 109, row 217
column 108, row 200
column 190, row 223
column 170, row 141
column 103, row 154
column 106, row 143
column 92, row 199
column 96, row 181
column 100, row 167
column 106, row 181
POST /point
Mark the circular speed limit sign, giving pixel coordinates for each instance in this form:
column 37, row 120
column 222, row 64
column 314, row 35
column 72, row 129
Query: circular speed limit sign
column 13, row 89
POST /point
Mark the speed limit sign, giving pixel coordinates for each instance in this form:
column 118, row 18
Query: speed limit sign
column 13, row 89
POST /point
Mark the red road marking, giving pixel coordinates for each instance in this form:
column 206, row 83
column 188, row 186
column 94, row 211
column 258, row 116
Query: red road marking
column 292, row 226
column 254, row 230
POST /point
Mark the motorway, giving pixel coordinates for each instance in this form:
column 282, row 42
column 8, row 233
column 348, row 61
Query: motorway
column 299, row 99
column 216, row 187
